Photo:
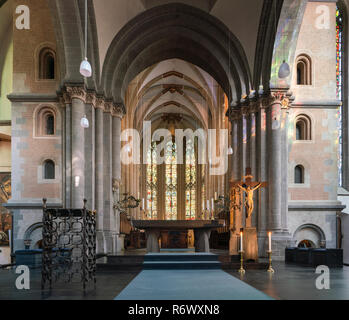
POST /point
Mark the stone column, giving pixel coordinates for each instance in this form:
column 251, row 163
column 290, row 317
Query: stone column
column 284, row 161
column 78, row 99
column 278, row 166
column 108, row 212
column 262, row 174
column 67, row 188
column 117, row 114
column 99, row 195
column 236, row 119
column 275, row 164
column 90, row 164
column 234, row 226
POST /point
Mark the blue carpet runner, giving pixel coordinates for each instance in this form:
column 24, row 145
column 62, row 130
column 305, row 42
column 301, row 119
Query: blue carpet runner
column 184, row 276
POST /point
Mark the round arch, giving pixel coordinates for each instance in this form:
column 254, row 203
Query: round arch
column 176, row 31
column 321, row 237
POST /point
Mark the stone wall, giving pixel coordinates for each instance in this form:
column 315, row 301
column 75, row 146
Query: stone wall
column 312, row 204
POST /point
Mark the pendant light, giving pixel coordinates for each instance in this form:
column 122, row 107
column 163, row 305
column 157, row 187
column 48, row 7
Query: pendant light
column 284, row 70
column 85, row 66
column 84, row 122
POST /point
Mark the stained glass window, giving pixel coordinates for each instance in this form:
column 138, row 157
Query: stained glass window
column 339, row 74
column 156, row 177
column 190, row 181
column 151, row 183
column 171, row 181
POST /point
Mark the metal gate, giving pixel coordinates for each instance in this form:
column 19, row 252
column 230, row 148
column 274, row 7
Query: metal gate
column 69, row 246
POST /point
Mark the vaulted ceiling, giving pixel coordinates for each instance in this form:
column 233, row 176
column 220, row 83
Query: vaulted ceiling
column 173, row 86
column 233, row 41
column 242, row 17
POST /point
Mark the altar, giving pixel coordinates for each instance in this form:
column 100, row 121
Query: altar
column 202, row 231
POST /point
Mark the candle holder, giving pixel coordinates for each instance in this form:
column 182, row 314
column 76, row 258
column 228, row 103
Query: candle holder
column 270, row 269
column 241, row 270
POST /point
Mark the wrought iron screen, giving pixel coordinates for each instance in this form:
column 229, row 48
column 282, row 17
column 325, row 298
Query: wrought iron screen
column 69, row 246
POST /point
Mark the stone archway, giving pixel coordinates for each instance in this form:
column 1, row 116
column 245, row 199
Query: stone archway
column 34, row 233
column 176, row 31
column 311, row 233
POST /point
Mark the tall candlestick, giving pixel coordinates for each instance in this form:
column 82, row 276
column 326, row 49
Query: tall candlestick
column 269, row 234
column 241, row 242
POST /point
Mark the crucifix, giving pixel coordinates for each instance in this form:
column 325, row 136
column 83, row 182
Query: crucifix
column 249, row 187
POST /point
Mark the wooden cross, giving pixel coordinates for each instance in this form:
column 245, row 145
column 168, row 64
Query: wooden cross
column 248, row 186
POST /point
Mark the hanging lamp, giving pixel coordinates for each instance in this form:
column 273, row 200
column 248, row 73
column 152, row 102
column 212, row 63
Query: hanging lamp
column 85, row 66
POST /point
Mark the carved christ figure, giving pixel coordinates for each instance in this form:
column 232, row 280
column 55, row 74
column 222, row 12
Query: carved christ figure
column 249, row 197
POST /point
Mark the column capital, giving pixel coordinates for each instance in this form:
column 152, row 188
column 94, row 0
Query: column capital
column 281, row 97
column 76, row 92
column 64, row 99
column 234, row 114
column 108, row 105
column 100, row 102
column 91, row 98
column 117, row 111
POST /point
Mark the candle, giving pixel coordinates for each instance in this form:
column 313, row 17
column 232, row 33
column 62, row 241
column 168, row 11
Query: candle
column 269, row 234
column 212, row 203
column 241, row 242
column 215, row 196
column 143, row 204
column 203, row 205
column 138, row 195
column 208, row 205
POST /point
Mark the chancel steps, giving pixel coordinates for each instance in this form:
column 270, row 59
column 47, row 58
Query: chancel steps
column 184, row 261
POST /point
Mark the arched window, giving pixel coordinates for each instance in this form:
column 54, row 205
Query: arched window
column 151, row 183
column 304, row 70
column 50, row 124
column 45, row 122
column 299, row 174
column 303, row 128
column 49, row 170
column 168, row 184
column 47, row 64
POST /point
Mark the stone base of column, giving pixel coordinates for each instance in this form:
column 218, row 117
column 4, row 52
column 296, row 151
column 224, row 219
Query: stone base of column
column 279, row 241
column 120, row 243
column 100, row 242
column 110, row 242
column 262, row 244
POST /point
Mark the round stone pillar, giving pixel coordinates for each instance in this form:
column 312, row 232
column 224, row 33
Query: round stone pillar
column 99, row 190
column 275, row 164
column 78, row 98
column 117, row 114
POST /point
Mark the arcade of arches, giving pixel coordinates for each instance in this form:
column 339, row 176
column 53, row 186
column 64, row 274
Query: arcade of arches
column 258, row 69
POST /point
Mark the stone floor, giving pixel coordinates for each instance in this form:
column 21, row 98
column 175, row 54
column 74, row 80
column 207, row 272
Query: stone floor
column 109, row 284
column 291, row 282
column 288, row 283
